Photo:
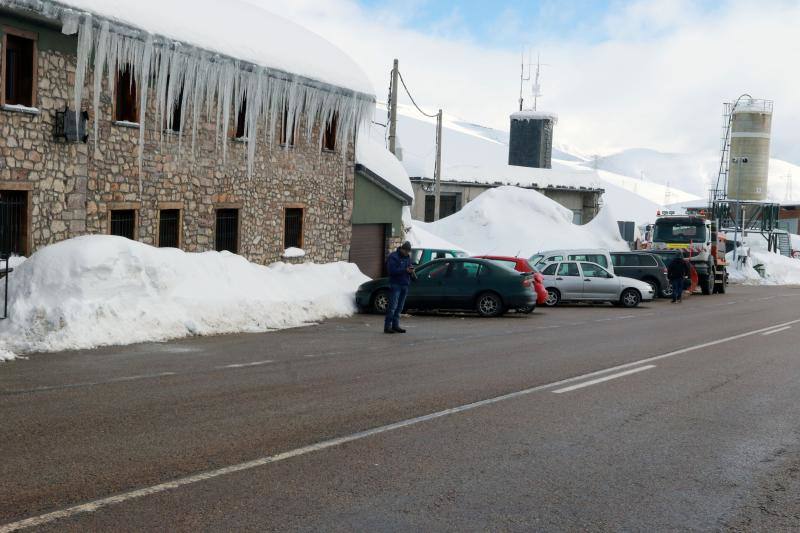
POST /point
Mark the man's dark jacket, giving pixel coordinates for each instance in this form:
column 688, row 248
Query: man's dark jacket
column 397, row 266
column 677, row 269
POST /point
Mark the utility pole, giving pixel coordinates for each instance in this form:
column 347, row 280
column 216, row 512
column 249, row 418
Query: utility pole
column 393, row 109
column 437, row 171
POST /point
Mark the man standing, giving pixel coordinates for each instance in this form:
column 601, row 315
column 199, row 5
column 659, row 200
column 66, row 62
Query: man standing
column 400, row 273
column 677, row 272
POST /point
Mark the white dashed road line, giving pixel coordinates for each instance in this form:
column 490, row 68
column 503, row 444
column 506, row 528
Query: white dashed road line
column 245, row 365
column 604, row 378
column 776, row 330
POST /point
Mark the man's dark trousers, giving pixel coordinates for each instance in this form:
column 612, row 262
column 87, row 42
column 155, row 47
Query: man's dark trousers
column 397, row 300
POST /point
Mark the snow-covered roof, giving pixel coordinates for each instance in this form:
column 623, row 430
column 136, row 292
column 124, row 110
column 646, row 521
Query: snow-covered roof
column 530, row 114
column 373, row 154
column 522, row 176
column 237, row 29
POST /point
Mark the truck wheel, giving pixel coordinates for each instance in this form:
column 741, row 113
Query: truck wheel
column 707, row 283
column 630, row 298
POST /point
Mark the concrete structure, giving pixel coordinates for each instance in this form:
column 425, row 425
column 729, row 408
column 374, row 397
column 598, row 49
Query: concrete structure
column 751, row 124
column 531, row 139
column 299, row 194
column 584, row 202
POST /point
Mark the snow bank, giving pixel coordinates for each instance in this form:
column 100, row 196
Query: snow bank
column 102, row 290
column 293, row 253
column 514, row 221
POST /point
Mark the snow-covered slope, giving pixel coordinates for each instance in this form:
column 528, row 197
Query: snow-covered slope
column 514, row 221
column 102, row 290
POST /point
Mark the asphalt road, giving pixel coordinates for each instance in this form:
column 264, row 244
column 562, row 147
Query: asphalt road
column 665, row 417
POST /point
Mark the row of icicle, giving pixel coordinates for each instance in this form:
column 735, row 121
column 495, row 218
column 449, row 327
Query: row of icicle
column 202, row 83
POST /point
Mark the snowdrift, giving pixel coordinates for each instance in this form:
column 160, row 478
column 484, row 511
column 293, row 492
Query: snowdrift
column 102, row 290
column 514, row 221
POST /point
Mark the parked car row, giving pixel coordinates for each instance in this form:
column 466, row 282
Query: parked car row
column 491, row 285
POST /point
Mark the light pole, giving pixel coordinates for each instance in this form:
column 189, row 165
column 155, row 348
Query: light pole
column 738, row 161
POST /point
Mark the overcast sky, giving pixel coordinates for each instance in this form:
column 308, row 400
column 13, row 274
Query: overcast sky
column 649, row 73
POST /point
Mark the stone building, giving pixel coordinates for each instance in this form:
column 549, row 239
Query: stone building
column 274, row 175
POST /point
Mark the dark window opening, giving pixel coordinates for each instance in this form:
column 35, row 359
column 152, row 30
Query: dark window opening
column 126, row 109
column 329, row 134
column 123, row 223
column 227, row 234
column 241, row 118
column 13, row 222
column 19, row 70
column 448, row 204
column 287, row 137
column 174, row 120
column 169, row 228
column 293, row 228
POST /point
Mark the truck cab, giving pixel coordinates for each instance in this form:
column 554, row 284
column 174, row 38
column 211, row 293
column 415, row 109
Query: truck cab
column 697, row 238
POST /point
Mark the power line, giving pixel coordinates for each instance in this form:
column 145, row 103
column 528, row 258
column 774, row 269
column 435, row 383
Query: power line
column 412, row 98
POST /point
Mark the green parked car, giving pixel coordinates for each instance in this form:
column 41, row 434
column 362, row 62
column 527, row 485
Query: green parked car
column 420, row 256
column 466, row 284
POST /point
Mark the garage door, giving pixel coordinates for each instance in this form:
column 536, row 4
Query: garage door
column 368, row 248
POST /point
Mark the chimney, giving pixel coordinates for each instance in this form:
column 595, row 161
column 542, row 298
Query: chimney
column 531, row 140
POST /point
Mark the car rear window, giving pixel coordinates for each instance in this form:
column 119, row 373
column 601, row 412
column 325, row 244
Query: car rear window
column 504, row 263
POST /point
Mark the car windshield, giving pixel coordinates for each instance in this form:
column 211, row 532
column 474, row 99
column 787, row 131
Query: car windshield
column 679, row 231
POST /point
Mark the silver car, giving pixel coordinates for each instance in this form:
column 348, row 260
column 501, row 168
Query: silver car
column 579, row 281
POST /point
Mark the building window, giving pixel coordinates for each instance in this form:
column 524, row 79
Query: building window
column 126, row 109
column 174, row 119
column 123, row 223
column 169, row 228
column 241, row 119
column 293, row 227
column 19, row 68
column 448, row 204
column 227, row 233
column 13, row 222
column 287, row 134
column 329, row 134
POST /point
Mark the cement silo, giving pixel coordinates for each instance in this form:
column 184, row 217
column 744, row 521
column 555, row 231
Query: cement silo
column 531, row 140
column 750, row 128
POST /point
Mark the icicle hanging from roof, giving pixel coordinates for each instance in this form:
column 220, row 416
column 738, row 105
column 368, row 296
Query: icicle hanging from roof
column 199, row 82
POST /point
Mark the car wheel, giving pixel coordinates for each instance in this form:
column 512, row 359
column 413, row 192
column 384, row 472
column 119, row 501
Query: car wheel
column 489, row 305
column 380, row 302
column 553, row 298
column 653, row 285
column 528, row 309
column 630, row 298
column 666, row 292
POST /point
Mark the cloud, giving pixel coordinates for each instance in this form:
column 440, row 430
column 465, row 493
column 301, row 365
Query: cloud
column 654, row 74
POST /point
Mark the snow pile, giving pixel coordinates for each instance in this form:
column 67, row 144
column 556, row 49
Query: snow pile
column 514, row 221
column 778, row 269
column 102, row 290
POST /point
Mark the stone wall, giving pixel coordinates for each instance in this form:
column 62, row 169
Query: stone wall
column 74, row 186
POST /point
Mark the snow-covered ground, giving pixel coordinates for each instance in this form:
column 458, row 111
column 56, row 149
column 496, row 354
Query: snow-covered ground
column 514, row 221
column 778, row 269
column 102, row 290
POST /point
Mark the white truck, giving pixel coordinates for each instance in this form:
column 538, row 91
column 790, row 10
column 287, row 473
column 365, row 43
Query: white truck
column 701, row 244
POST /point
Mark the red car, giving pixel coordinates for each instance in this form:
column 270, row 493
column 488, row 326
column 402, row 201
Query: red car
column 520, row 264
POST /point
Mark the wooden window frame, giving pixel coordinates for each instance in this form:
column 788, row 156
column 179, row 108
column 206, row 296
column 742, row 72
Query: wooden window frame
column 124, row 206
column 230, row 205
column 302, row 209
column 115, row 100
column 27, row 188
column 170, row 206
column 33, row 36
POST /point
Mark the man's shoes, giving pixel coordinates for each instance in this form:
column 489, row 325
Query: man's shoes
column 388, row 330
column 398, row 330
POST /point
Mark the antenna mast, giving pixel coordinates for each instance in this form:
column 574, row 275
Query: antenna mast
column 537, row 88
column 522, row 77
